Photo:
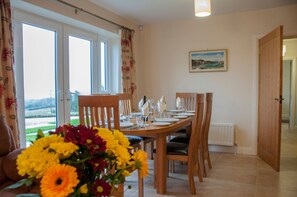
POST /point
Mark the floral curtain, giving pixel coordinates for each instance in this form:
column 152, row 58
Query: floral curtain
column 8, row 106
column 128, row 66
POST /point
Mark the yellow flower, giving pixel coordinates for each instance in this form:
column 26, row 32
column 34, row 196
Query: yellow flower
column 46, row 141
column 140, row 162
column 122, row 156
column 58, row 181
column 64, row 149
column 117, row 144
column 126, row 173
column 83, row 189
column 34, row 160
column 108, row 137
column 123, row 140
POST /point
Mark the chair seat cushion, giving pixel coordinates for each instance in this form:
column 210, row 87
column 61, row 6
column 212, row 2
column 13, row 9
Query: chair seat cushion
column 182, row 131
column 182, row 138
column 175, row 148
column 134, row 139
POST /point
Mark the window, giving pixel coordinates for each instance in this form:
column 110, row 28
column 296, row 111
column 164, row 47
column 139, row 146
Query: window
column 55, row 63
column 103, row 49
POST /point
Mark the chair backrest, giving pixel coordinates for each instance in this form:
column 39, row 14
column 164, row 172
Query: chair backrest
column 99, row 111
column 206, row 120
column 196, row 126
column 187, row 100
column 125, row 105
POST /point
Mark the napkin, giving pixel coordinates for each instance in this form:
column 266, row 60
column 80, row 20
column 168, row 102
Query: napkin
column 121, row 108
column 140, row 104
column 162, row 104
column 163, row 100
column 178, row 103
column 145, row 111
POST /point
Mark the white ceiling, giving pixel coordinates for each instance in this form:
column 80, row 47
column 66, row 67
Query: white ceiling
column 154, row 11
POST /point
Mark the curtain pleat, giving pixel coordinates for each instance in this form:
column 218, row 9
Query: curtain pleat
column 128, row 66
column 8, row 104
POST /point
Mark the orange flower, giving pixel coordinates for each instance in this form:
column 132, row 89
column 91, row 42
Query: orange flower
column 59, row 181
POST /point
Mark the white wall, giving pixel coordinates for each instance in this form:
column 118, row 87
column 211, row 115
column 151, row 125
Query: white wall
column 164, row 66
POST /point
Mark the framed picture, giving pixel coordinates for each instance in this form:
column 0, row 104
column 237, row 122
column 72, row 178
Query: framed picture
column 206, row 61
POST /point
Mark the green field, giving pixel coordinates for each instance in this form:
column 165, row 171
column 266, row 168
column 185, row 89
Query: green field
column 50, row 127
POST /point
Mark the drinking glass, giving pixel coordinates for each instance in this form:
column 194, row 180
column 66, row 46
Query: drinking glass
column 139, row 121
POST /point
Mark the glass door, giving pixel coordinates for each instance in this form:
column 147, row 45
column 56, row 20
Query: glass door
column 80, row 74
column 39, row 63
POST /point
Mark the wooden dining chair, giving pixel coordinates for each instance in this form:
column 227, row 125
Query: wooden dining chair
column 99, row 111
column 205, row 132
column 187, row 100
column 126, row 105
column 188, row 104
column 102, row 111
column 204, row 152
column 189, row 152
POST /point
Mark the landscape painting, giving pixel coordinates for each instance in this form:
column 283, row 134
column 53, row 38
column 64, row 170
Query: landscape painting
column 205, row 61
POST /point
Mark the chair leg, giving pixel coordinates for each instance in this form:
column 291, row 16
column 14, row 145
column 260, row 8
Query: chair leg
column 191, row 178
column 140, row 185
column 203, row 165
column 208, row 160
column 172, row 166
column 152, row 149
column 199, row 168
column 155, row 167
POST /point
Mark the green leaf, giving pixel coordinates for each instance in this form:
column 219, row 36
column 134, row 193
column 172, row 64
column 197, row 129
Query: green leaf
column 29, row 182
column 28, row 195
column 15, row 185
column 39, row 134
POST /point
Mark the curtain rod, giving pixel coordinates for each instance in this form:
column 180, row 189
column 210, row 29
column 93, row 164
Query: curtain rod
column 90, row 13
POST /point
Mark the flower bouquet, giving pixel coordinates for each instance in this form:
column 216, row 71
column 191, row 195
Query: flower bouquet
column 79, row 161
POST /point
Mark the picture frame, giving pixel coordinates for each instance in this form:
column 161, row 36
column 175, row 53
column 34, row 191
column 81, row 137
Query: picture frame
column 208, row 60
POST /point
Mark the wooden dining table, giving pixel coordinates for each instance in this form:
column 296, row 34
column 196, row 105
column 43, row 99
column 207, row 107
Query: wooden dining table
column 159, row 133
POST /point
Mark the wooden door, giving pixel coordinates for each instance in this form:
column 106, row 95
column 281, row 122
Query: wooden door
column 270, row 89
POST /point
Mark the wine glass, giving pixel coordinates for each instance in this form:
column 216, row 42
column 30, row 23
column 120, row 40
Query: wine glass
column 145, row 112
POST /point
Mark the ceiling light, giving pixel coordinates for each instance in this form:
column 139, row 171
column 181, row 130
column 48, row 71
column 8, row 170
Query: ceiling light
column 202, row 8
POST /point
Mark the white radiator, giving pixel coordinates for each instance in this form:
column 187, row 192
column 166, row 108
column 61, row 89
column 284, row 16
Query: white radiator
column 221, row 134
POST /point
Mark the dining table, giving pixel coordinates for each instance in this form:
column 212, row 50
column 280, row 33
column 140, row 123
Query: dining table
column 160, row 133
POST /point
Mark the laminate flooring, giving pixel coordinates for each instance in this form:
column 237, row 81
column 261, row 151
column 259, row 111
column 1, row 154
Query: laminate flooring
column 233, row 176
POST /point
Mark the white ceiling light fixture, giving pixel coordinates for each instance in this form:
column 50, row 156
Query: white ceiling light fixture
column 202, row 8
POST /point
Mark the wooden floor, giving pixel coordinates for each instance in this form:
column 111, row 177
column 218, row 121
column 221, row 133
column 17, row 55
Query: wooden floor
column 234, row 176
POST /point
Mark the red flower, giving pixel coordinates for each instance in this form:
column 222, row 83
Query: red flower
column 89, row 139
column 9, row 102
column 101, row 188
column 98, row 164
column 1, row 90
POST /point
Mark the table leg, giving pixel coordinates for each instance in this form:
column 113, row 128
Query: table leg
column 161, row 174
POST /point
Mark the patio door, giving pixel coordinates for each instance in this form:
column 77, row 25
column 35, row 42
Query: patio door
column 55, row 63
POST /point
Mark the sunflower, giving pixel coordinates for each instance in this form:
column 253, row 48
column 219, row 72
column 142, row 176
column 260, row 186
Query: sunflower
column 59, row 181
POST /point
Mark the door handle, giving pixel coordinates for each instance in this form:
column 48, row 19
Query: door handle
column 280, row 100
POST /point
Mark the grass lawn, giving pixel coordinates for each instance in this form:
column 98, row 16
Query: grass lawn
column 50, row 127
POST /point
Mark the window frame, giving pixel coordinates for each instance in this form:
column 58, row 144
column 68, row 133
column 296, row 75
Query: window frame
column 62, row 29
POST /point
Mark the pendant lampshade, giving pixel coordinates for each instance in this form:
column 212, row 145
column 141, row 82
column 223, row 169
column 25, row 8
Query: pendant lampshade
column 202, row 8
